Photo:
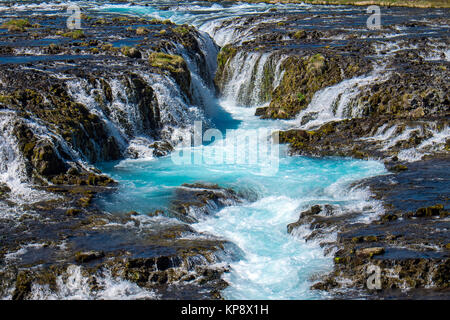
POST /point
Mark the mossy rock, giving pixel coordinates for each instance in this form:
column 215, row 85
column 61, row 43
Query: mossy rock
column 303, row 77
column 300, row 34
column 429, row 211
column 131, row 52
column 72, row 212
column 23, row 285
column 170, row 62
column 399, row 168
column 17, row 25
column 4, row 190
column 5, row 99
column 181, row 30
column 76, row 34
column 226, row 54
column 87, row 256
column 141, row 31
column 370, row 252
column 371, row 239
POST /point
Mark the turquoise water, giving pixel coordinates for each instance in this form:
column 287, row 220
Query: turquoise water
column 271, row 263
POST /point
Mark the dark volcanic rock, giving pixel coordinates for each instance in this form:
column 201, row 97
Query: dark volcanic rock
column 194, row 201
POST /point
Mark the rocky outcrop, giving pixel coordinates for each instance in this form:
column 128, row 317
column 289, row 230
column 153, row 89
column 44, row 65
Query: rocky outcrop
column 92, row 109
column 363, row 88
column 407, row 244
column 347, row 138
column 159, row 258
column 193, row 202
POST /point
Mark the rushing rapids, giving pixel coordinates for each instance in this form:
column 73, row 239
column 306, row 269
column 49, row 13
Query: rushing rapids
column 91, row 124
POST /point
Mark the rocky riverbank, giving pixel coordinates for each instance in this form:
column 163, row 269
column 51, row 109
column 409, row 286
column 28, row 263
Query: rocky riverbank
column 409, row 243
column 67, row 247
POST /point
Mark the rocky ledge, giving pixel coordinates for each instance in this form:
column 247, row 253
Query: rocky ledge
column 68, row 238
column 354, row 93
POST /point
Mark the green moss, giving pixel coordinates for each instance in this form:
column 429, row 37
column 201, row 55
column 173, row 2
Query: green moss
column 76, row 34
column 300, row 34
column 222, row 74
column 18, row 25
column 142, row 31
column 399, row 167
column 23, row 285
column 339, row 260
column 182, row 30
column 370, row 239
column 357, row 239
column 359, row 154
column 131, row 52
column 226, row 54
column 430, row 211
column 5, row 99
column 170, row 62
column 122, row 19
column 73, row 212
column 107, row 47
column 100, row 21
column 315, row 62
column 305, row 76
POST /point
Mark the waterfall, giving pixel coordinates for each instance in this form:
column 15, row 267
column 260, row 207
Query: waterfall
column 336, row 102
column 173, row 113
column 83, row 92
column 252, row 77
column 13, row 166
column 224, row 31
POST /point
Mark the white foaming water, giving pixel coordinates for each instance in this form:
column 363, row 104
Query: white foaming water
column 82, row 92
column 76, row 286
column 435, row 143
column 248, row 72
column 389, row 136
column 334, row 102
column 208, row 18
column 404, row 135
column 12, row 167
column 123, row 119
column 273, row 264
